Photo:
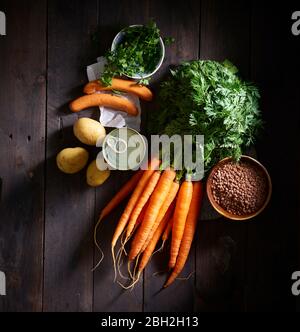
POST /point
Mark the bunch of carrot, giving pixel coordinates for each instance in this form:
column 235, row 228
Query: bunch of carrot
column 161, row 205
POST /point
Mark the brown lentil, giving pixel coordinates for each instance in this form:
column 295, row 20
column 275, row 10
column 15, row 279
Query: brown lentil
column 239, row 188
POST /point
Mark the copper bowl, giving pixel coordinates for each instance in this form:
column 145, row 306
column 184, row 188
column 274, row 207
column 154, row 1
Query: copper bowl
column 219, row 208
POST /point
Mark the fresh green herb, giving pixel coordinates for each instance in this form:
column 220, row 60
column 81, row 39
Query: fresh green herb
column 138, row 53
column 168, row 40
column 208, row 98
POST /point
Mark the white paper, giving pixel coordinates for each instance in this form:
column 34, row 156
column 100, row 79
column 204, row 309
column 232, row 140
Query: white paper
column 108, row 116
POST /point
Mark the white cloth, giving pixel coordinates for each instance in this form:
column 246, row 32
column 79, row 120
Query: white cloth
column 108, row 116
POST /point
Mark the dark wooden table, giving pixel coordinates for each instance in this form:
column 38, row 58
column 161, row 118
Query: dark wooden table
column 47, row 217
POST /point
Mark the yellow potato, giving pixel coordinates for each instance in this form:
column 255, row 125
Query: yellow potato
column 94, row 176
column 89, row 131
column 72, row 160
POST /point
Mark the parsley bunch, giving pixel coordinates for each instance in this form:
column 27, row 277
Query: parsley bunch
column 138, row 53
column 208, row 98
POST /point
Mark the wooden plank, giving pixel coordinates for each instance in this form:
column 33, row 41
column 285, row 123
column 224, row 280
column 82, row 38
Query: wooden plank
column 220, row 259
column 70, row 203
column 22, row 147
column 109, row 296
column 272, row 240
column 175, row 20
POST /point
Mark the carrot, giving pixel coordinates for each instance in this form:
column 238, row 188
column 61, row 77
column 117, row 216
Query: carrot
column 153, row 242
column 141, row 216
column 132, row 201
column 113, row 203
column 141, row 202
column 167, row 231
column 189, row 232
column 156, row 201
column 120, row 85
column 181, row 211
column 131, row 204
column 102, row 99
column 168, row 201
column 121, row 194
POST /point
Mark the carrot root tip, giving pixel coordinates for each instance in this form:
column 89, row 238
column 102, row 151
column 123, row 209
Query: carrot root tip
column 97, row 245
column 114, row 263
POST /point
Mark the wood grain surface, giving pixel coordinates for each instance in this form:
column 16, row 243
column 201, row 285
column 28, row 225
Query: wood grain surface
column 47, row 217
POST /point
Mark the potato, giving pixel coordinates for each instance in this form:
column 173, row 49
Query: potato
column 89, row 131
column 94, row 176
column 72, row 160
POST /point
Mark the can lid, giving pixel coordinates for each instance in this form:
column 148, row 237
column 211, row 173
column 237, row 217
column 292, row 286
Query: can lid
column 117, row 144
column 124, row 148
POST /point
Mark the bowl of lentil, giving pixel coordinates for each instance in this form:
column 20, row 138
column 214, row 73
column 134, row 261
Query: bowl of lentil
column 239, row 190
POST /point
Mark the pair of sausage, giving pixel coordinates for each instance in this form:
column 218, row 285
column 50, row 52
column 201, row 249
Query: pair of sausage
column 92, row 98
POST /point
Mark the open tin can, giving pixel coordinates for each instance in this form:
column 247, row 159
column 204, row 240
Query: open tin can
column 124, row 149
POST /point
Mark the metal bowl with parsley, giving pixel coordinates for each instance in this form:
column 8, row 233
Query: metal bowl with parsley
column 137, row 52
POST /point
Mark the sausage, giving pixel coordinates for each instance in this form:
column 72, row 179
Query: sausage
column 121, row 85
column 101, row 99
